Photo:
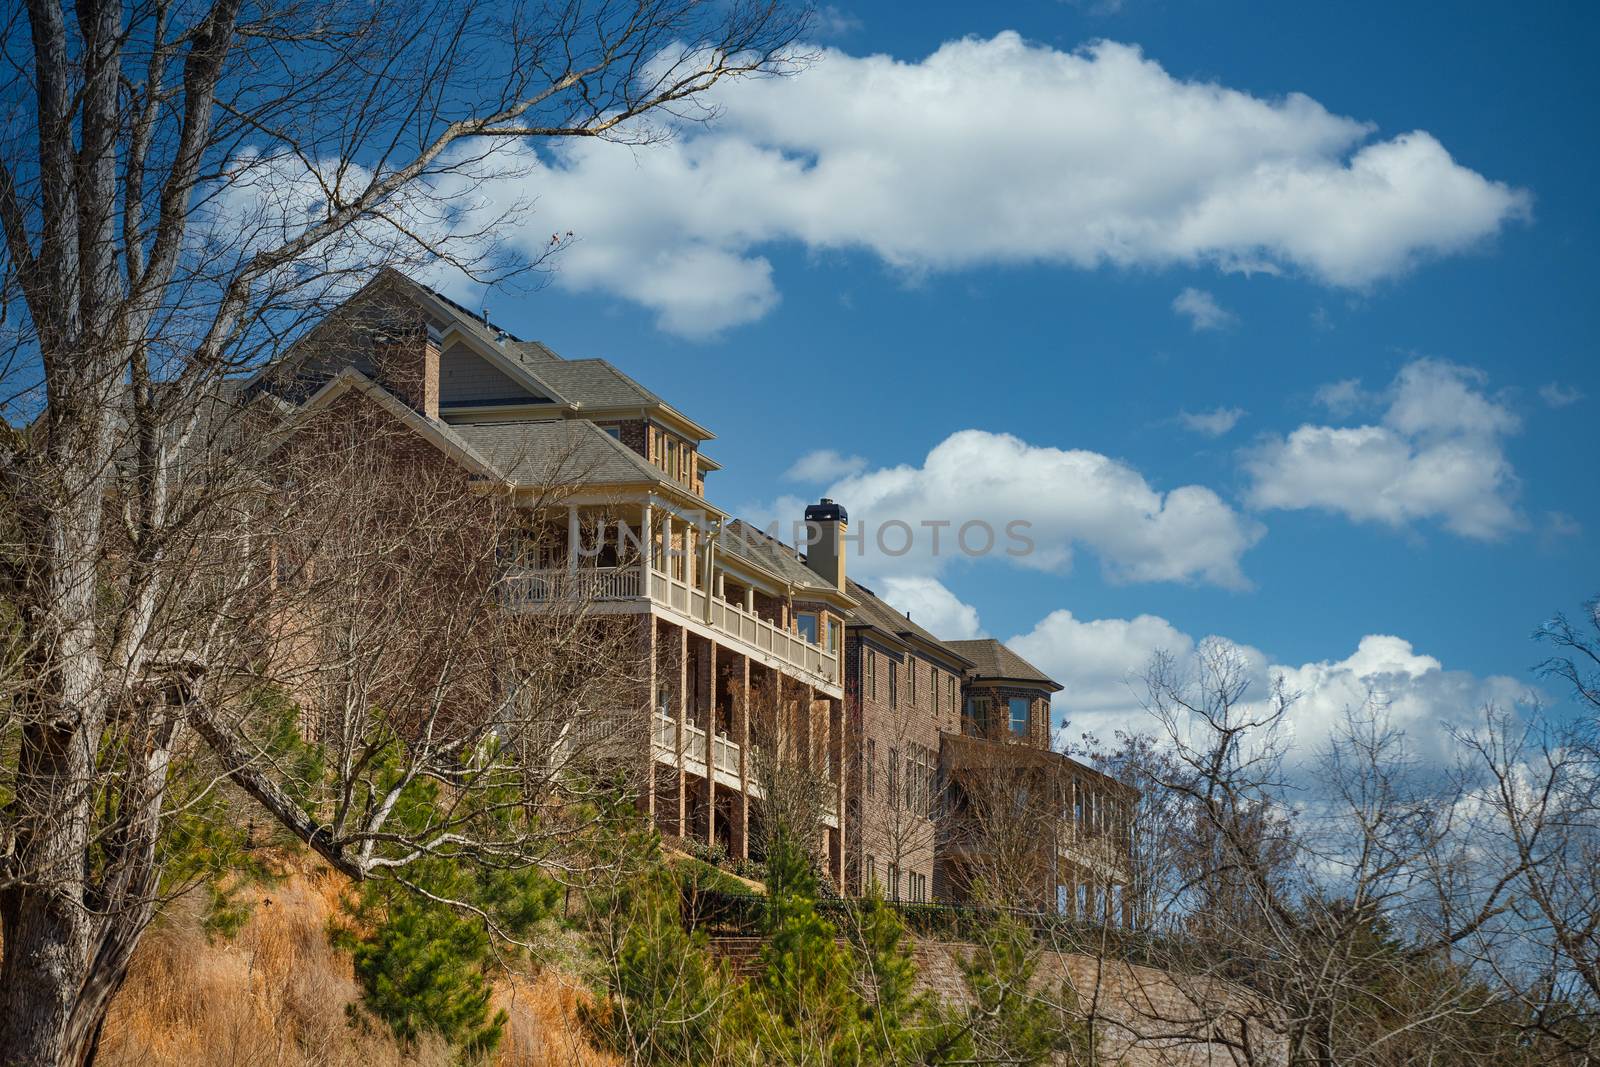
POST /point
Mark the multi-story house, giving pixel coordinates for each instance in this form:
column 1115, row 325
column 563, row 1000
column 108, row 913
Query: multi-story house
column 751, row 652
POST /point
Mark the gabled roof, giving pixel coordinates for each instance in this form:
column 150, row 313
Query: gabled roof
column 349, row 380
column 745, row 541
column 872, row 610
column 993, row 661
column 594, row 383
column 557, row 452
column 583, row 383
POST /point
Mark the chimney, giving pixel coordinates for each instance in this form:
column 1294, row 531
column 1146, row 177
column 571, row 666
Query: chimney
column 826, row 523
column 407, row 362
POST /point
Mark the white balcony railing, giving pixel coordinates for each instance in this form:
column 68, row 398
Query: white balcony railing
column 542, row 586
column 531, row 587
column 725, row 754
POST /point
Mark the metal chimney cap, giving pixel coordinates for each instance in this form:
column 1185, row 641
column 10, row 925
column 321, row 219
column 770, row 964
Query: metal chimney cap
column 826, row 511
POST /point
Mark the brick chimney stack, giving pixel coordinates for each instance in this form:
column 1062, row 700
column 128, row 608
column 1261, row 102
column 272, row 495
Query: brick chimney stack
column 407, row 362
column 826, row 523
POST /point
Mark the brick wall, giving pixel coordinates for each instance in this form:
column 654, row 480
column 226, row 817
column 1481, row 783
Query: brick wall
column 1142, row 1017
column 1038, row 734
column 902, row 716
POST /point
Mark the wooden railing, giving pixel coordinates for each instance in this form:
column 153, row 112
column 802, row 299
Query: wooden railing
column 541, row 586
column 526, row 588
column 731, row 619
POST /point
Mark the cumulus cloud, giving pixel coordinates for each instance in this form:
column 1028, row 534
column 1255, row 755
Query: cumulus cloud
column 1202, row 310
column 1213, row 423
column 931, row 606
column 823, row 465
column 1065, row 498
column 1556, row 395
column 1099, row 661
column 1437, row 453
column 1102, row 157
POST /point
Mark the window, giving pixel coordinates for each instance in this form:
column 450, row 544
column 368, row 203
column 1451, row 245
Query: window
column 911, row 679
column 894, row 881
column 872, row 766
column 833, row 636
column 870, row 672
column 978, row 716
column 872, row 870
column 615, row 432
column 952, row 692
column 807, row 624
column 911, row 779
column 894, row 776
column 894, row 685
column 1019, row 716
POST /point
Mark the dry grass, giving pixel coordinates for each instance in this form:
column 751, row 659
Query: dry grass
column 276, row 996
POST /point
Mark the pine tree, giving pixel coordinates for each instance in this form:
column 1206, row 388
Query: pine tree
column 803, row 1009
column 425, row 950
column 665, row 996
column 902, row 1024
column 1011, row 1022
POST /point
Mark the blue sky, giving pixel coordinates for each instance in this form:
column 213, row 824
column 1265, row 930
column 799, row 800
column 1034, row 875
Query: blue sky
column 1408, row 334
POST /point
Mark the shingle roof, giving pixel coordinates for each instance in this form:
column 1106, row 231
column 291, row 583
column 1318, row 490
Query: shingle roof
column 741, row 539
column 873, row 610
column 556, row 451
column 593, row 383
column 991, row 659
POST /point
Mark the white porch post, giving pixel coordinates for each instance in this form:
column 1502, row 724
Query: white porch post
column 572, row 539
column 646, row 551
column 666, row 546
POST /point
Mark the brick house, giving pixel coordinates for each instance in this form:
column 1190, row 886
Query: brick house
column 744, row 641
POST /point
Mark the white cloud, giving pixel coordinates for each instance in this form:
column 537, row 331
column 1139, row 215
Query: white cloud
column 1097, row 157
column 1213, row 423
column 1438, row 453
column 1202, row 310
column 832, row 21
column 1557, row 395
column 932, row 606
column 1342, row 398
column 1099, row 661
column 1069, row 497
column 824, row 464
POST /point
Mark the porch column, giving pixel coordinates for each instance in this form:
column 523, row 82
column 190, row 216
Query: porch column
column 572, row 538
column 749, row 600
column 666, row 548
column 681, row 720
column 742, row 826
column 711, row 742
column 650, row 719
column 646, row 554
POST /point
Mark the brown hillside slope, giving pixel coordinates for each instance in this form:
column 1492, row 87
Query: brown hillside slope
column 276, row 995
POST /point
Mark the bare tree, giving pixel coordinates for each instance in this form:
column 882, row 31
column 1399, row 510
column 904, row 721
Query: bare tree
column 1535, row 856
column 182, row 188
column 901, row 813
column 788, row 764
column 1323, row 904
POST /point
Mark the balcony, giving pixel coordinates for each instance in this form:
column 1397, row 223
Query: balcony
column 724, row 751
column 725, row 754
column 746, row 632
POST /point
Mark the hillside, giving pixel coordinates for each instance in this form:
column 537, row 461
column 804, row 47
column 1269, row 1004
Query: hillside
column 277, row 993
